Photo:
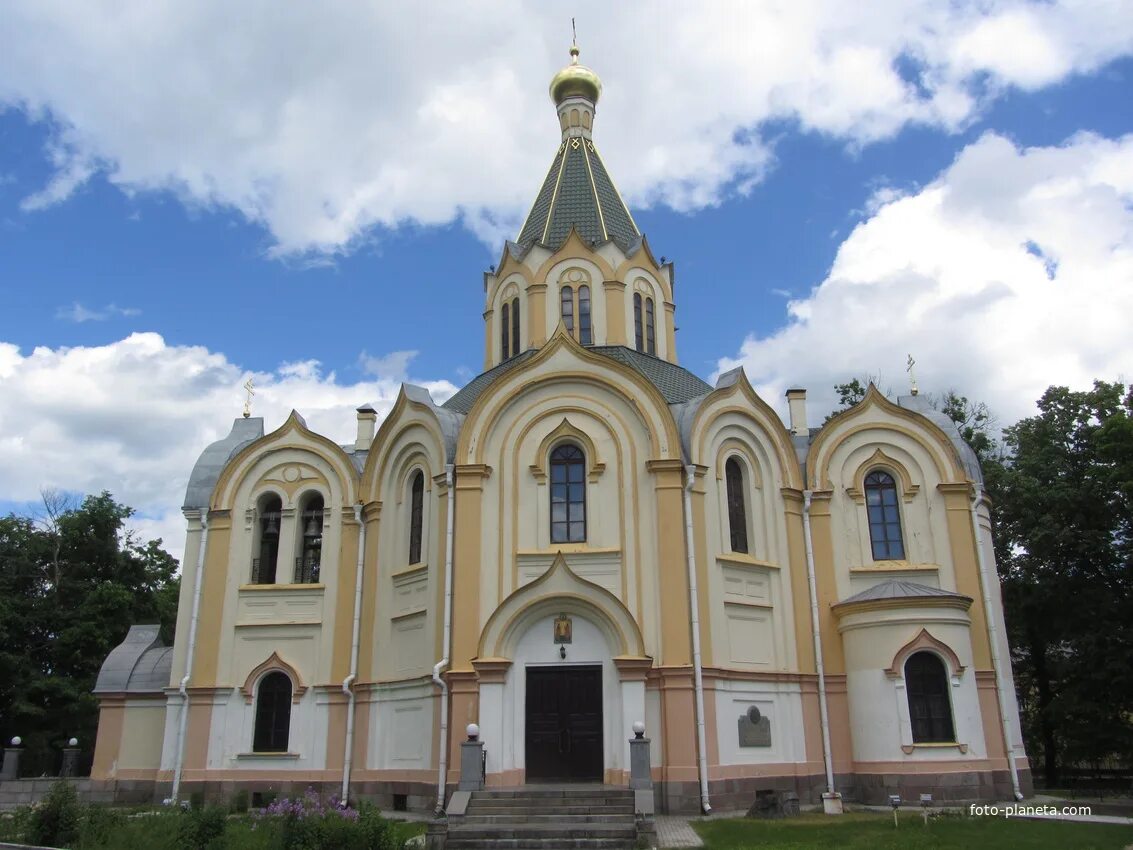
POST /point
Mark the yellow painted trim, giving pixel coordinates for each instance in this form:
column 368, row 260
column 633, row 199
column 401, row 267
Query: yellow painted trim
column 589, row 146
column 554, row 194
column 738, row 559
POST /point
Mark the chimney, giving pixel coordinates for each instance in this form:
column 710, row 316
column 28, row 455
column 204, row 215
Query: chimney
column 796, row 403
column 367, row 421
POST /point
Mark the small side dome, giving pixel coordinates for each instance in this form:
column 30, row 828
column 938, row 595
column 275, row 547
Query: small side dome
column 575, row 80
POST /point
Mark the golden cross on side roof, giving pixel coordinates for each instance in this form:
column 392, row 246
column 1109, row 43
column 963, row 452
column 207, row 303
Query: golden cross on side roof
column 250, row 388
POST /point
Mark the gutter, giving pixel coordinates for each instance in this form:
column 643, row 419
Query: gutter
column 183, row 688
column 996, row 665
column 698, row 678
column 438, row 680
column 824, row 713
column 348, row 682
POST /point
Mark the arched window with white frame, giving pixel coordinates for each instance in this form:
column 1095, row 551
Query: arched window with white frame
column 273, row 713
column 930, row 707
column 416, row 515
column 568, row 494
column 737, row 504
column 884, row 516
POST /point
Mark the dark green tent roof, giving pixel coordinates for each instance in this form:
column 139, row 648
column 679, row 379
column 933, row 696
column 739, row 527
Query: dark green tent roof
column 675, row 383
column 578, row 193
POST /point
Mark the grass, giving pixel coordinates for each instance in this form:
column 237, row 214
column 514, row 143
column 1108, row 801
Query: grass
column 869, row 831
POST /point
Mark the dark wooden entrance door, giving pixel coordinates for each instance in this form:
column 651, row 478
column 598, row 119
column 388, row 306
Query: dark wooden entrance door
column 564, row 724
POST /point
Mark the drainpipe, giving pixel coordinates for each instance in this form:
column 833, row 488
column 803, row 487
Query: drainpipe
column 698, row 680
column 822, row 709
column 183, row 688
column 996, row 666
column 348, row 682
column 442, row 770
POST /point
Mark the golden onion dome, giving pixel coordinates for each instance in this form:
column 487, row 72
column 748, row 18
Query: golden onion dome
column 575, row 80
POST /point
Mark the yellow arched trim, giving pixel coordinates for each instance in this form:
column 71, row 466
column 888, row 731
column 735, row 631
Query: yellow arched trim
column 924, row 641
column 559, row 589
column 733, row 446
column 886, row 463
column 574, row 248
column 566, row 432
column 274, row 662
column 388, row 432
column 760, row 413
column 238, row 467
column 481, row 419
column 835, row 432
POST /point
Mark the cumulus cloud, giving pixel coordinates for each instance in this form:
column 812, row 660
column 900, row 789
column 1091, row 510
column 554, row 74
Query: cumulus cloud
column 77, row 313
column 1011, row 271
column 323, row 121
column 132, row 417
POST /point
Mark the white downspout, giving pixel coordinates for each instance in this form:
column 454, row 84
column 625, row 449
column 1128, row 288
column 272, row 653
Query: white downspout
column 698, row 680
column 985, row 586
column 442, row 753
column 823, row 712
column 348, row 682
column 183, row 688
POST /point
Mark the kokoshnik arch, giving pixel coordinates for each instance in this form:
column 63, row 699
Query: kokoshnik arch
column 535, row 543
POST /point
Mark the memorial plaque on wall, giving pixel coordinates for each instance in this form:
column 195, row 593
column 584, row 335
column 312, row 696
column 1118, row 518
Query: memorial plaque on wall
column 754, row 729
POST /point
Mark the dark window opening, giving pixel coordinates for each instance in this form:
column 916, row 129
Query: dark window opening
column 505, row 328
column 568, row 494
column 515, row 349
column 737, row 511
column 273, row 714
column 584, row 315
column 267, row 552
column 309, row 563
column 930, row 709
column 416, row 509
column 650, row 340
column 884, row 517
column 566, row 307
column 638, row 333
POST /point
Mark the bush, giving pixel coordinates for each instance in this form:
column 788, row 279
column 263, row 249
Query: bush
column 55, row 821
column 240, row 802
column 203, row 829
column 99, row 825
column 307, row 823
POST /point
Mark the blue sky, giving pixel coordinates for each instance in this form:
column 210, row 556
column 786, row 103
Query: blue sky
column 956, row 185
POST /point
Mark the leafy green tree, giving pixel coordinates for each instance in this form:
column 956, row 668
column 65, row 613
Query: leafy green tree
column 72, row 582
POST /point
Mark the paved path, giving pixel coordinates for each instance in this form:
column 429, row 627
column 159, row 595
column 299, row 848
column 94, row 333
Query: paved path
column 675, row 831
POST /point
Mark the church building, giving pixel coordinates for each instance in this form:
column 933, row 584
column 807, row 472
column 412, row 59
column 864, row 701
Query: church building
column 584, row 537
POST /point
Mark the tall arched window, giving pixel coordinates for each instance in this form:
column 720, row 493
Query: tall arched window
column 737, row 509
column 930, row 709
column 309, row 562
column 884, row 517
column 650, row 337
column 515, row 349
column 638, row 323
column 584, row 335
column 505, row 331
column 273, row 714
column 568, row 494
column 566, row 308
column 416, row 508
column 267, row 548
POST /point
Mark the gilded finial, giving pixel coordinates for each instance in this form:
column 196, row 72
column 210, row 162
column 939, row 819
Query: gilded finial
column 575, row 80
column 912, row 375
column 250, row 388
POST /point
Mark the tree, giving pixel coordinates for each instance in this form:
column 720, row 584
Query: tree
column 1064, row 541
column 72, row 582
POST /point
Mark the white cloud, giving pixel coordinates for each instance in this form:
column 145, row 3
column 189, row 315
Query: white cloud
column 77, row 313
column 393, row 366
column 133, row 416
column 1010, row 272
column 321, row 121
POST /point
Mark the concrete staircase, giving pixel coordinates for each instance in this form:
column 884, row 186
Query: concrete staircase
column 551, row 817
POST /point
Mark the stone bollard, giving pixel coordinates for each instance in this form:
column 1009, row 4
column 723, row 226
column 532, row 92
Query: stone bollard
column 11, row 766
column 472, row 761
column 70, row 758
column 640, row 772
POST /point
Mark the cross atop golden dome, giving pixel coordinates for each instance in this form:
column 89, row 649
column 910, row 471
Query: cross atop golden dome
column 575, row 80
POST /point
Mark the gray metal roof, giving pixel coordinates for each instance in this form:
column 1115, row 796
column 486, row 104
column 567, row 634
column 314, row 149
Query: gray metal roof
column 675, row 383
column 922, row 405
column 140, row 664
column 896, row 588
column 213, row 459
column 579, row 193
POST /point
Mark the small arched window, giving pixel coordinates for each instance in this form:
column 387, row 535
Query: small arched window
column 566, row 308
column 638, row 323
column 884, row 517
column 930, row 709
column 650, row 336
column 267, row 548
column 416, row 508
column 505, row 331
column 737, row 509
column 515, row 349
column 584, row 335
column 568, row 494
column 273, row 713
column 309, row 562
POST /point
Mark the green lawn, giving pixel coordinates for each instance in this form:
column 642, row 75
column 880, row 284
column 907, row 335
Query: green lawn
column 870, row 831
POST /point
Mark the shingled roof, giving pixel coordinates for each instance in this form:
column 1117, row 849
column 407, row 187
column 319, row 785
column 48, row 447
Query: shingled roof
column 673, row 382
column 578, row 193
